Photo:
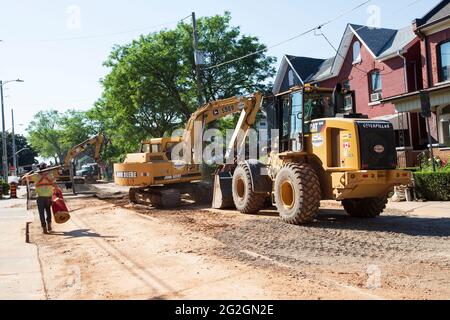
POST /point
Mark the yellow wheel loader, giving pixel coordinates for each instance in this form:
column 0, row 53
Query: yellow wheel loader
column 324, row 152
column 157, row 179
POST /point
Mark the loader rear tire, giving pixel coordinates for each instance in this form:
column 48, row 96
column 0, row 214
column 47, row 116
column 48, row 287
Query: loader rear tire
column 297, row 193
column 245, row 199
column 365, row 208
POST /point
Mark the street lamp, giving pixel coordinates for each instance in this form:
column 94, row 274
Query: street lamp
column 5, row 152
column 14, row 156
column 21, row 150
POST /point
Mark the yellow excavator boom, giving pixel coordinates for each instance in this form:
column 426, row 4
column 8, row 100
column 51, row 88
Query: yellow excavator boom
column 80, row 148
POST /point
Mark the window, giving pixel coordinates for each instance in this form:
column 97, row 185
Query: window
column 291, row 78
column 375, row 82
column 444, row 61
column 346, row 84
column 356, row 52
column 155, row 148
column 375, row 85
column 296, row 113
column 444, row 120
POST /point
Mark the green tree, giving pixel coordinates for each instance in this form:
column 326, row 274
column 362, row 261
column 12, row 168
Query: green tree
column 26, row 157
column 53, row 133
column 151, row 88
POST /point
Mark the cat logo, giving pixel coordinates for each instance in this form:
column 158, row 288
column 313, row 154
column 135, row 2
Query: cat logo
column 378, row 148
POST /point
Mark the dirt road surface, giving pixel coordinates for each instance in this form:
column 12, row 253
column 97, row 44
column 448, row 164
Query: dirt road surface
column 113, row 250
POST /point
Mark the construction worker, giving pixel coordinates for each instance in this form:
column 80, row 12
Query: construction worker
column 44, row 183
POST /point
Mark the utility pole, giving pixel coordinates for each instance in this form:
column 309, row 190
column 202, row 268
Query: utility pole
column 4, row 142
column 198, row 62
column 14, row 144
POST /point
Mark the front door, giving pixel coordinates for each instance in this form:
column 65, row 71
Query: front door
column 296, row 143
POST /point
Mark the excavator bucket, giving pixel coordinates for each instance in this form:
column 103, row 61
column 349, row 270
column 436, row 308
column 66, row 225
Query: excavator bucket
column 223, row 195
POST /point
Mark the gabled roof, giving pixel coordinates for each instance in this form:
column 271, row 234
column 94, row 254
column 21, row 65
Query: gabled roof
column 304, row 66
column 402, row 38
column 304, row 69
column 382, row 43
column 323, row 72
column 375, row 39
column 439, row 12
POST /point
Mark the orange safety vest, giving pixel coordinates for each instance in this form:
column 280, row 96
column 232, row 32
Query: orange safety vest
column 44, row 186
column 45, row 180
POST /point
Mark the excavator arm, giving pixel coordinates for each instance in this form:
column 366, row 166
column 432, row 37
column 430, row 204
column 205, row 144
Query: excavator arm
column 78, row 149
column 249, row 107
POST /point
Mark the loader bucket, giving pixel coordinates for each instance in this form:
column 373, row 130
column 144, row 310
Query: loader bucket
column 223, row 195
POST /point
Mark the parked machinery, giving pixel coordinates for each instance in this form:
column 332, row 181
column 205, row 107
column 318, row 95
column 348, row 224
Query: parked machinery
column 325, row 152
column 65, row 173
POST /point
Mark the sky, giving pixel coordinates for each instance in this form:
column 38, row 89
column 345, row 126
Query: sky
column 58, row 47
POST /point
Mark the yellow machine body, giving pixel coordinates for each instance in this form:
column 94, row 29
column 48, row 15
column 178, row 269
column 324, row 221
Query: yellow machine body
column 334, row 149
column 153, row 166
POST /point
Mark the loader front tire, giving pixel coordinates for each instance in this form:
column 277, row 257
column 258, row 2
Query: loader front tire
column 365, row 208
column 245, row 199
column 297, row 193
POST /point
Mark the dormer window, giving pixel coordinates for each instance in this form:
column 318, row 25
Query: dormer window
column 291, row 78
column 356, row 52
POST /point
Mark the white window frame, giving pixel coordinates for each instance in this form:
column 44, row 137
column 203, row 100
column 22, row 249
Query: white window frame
column 357, row 52
column 291, row 78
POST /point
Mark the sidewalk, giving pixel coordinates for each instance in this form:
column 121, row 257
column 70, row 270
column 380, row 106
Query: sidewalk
column 20, row 273
column 432, row 209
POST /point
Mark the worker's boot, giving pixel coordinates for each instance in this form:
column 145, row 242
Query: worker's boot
column 44, row 229
column 49, row 227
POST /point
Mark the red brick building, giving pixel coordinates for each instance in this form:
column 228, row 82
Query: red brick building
column 380, row 64
column 433, row 32
column 375, row 63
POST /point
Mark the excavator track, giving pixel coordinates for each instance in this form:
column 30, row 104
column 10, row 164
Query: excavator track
column 169, row 197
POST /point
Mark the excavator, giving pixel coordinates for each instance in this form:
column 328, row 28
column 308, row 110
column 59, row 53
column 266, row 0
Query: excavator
column 324, row 151
column 64, row 174
column 157, row 179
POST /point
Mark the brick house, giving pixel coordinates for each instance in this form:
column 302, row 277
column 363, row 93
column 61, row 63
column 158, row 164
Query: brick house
column 433, row 32
column 375, row 63
column 388, row 69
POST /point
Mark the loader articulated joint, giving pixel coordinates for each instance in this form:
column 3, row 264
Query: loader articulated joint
column 261, row 181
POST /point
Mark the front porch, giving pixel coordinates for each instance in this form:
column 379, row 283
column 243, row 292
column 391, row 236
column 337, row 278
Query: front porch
column 438, row 123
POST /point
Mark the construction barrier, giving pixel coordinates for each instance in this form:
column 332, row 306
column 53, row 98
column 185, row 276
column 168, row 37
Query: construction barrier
column 13, row 190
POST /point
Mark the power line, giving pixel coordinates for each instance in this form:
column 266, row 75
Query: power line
column 363, row 27
column 106, row 35
column 290, row 39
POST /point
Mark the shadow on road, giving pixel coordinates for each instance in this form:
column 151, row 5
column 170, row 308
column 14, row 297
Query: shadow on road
column 412, row 226
column 81, row 233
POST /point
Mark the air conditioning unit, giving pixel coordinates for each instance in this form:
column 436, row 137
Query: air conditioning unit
column 376, row 96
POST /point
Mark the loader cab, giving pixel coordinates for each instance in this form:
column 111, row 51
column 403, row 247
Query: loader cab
column 296, row 109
